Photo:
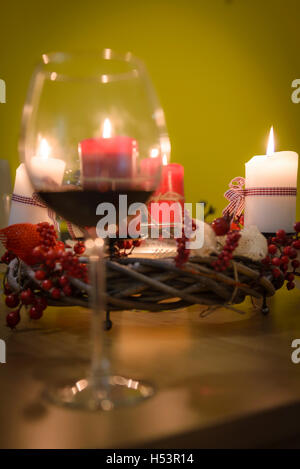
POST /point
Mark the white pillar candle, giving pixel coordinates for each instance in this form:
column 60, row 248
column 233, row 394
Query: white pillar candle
column 42, row 167
column 270, row 213
column 21, row 212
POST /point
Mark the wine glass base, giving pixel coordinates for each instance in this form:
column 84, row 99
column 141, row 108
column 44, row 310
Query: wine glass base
column 114, row 391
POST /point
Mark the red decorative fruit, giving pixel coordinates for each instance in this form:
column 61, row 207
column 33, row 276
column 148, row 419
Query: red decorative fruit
column 296, row 244
column 281, row 234
column 12, row 300
column 47, row 284
column 55, row 293
column 13, row 318
column 220, row 226
column 40, row 274
column 276, row 261
column 35, row 312
column 67, row 290
column 26, row 297
column 297, row 227
column 272, row 249
column 63, row 281
column 276, row 273
column 40, row 302
column 293, row 254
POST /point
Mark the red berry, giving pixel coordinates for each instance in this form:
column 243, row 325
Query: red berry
column 290, row 277
column 136, row 242
column 290, row 285
column 55, row 293
column 287, row 250
column 293, row 253
column 79, row 248
column 40, row 274
column 51, row 254
column 63, row 280
column 295, row 264
column 280, row 234
column 284, row 267
column 272, row 249
column 276, row 261
column 296, row 244
column 38, row 253
column 276, row 273
column 26, row 297
column 297, row 226
column 220, row 226
column 35, row 312
column 67, row 290
column 47, row 284
column 127, row 244
column 12, row 300
column 13, row 318
column 285, row 260
column 40, row 302
column 266, row 260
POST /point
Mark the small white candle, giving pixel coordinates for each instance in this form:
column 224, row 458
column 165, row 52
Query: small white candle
column 270, row 213
column 42, row 166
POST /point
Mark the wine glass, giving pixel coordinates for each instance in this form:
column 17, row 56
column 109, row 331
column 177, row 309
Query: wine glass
column 93, row 130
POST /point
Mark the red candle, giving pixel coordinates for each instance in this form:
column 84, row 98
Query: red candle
column 107, row 158
column 170, row 191
column 150, row 169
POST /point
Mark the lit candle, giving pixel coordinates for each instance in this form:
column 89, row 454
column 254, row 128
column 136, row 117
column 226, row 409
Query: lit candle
column 275, row 171
column 42, row 166
column 105, row 159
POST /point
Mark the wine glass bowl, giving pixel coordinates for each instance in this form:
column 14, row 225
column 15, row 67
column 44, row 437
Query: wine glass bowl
column 92, row 122
column 92, row 130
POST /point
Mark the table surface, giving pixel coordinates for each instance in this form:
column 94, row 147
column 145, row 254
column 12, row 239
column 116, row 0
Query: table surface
column 223, row 381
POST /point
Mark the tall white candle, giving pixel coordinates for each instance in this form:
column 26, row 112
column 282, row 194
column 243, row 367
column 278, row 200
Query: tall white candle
column 270, row 213
column 42, row 166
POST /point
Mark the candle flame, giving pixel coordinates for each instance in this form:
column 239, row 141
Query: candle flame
column 165, row 160
column 154, row 152
column 271, row 143
column 106, row 128
column 44, row 149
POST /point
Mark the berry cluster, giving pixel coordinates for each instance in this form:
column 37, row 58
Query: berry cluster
column 224, row 258
column 183, row 253
column 35, row 302
column 124, row 247
column 282, row 255
column 53, row 265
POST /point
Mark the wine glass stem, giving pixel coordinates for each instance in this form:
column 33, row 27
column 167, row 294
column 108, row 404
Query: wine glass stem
column 100, row 368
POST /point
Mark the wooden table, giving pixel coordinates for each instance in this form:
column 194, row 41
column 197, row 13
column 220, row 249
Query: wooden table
column 223, row 381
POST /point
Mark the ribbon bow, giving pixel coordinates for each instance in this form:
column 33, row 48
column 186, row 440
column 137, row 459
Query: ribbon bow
column 236, row 197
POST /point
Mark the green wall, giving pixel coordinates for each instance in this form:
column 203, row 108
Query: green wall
column 222, row 68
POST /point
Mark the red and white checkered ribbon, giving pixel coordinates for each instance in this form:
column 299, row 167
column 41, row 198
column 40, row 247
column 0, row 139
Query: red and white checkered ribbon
column 37, row 202
column 236, row 195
